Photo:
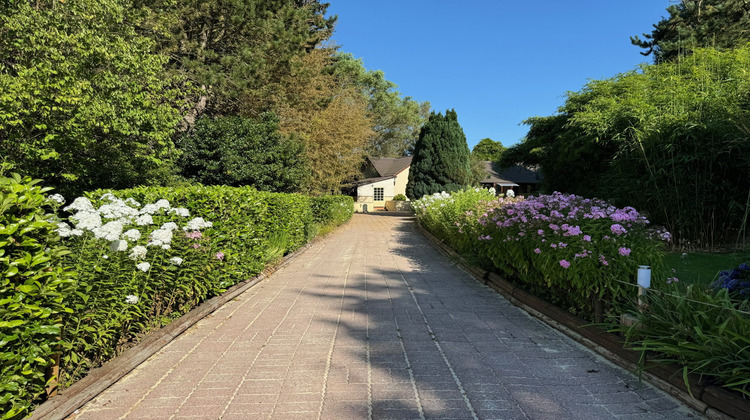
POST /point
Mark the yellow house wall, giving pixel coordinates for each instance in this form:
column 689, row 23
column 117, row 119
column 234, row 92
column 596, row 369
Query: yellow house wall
column 401, row 180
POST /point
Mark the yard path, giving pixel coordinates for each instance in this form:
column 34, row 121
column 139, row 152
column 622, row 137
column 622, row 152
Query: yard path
column 373, row 323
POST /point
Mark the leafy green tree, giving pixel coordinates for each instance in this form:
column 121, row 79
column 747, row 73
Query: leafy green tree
column 441, row 157
column 396, row 119
column 488, row 149
column 84, row 102
column 673, row 141
column 239, row 151
column 236, row 51
column 721, row 24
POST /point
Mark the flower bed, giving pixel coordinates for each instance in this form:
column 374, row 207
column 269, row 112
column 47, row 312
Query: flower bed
column 572, row 251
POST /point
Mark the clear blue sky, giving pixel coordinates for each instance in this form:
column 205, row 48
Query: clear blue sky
column 496, row 62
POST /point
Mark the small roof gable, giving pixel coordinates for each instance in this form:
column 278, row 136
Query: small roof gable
column 390, row 166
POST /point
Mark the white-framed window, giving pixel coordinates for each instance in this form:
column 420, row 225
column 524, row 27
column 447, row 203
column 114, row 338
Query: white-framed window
column 378, row 194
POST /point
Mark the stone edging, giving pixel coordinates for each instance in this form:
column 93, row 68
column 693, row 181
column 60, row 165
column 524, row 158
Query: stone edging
column 712, row 401
column 71, row 399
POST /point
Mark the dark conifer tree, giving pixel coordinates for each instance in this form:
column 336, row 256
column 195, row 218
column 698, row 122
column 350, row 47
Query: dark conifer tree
column 441, row 157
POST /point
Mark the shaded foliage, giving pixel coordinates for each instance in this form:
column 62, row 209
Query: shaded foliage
column 238, row 151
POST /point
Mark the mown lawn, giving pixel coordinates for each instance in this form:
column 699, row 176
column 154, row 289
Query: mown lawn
column 701, row 268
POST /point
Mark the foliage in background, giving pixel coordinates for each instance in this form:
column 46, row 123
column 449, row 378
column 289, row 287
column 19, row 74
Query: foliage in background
column 396, row 120
column 84, row 102
column 488, row 150
column 33, row 285
column 671, row 141
column 441, row 158
column 332, row 121
column 239, row 151
column 237, row 52
column 720, row 24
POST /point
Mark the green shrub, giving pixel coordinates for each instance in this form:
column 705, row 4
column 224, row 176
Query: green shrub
column 33, row 288
column 705, row 332
column 399, row 197
column 239, row 151
column 332, row 209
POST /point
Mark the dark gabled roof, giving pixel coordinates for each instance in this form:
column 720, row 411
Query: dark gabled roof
column 390, row 166
column 372, row 180
column 510, row 176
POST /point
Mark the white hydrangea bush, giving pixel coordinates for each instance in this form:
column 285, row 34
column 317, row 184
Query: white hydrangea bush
column 128, row 227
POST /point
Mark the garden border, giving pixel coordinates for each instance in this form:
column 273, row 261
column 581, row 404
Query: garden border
column 68, row 400
column 712, row 401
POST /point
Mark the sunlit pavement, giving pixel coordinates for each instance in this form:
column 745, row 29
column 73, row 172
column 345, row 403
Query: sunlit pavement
column 373, row 322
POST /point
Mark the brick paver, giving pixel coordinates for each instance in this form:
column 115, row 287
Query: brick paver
column 372, row 322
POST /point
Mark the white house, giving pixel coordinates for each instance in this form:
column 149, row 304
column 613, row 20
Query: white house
column 386, row 178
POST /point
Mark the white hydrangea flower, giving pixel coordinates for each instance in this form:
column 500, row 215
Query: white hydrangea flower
column 138, row 252
column 144, row 220
column 132, row 235
column 58, row 198
column 131, row 299
column 87, row 219
column 160, row 237
column 64, row 230
column 105, row 256
column 80, row 204
column 197, row 224
column 118, row 210
column 132, row 203
column 163, row 204
column 118, row 246
column 144, row 266
column 149, row 209
column 76, row 232
column 110, row 231
column 180, row 211
column 166, row 246
column 170, row 226
column 176, row 260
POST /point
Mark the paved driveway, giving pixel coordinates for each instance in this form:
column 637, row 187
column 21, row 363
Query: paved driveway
column 373, row 322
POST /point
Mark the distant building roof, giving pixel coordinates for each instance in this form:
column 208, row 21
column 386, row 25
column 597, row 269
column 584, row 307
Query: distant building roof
column 512, row 176
column 390, row 166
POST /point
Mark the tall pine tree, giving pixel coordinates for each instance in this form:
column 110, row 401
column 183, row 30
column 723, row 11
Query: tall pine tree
column 441, row 157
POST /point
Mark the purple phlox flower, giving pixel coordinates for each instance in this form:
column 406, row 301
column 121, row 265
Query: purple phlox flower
column 603, row 260
column 564, row 263
column 196, row 246
column 538, row 251
column 540, row 232
column 618, row 229
column 553, row 245
column 573, row 231
column 562, row 245
column 671, row 280
column 554, row 227
column 587, row 238
column 219, row 256
column 625, row 252
column 521, row 233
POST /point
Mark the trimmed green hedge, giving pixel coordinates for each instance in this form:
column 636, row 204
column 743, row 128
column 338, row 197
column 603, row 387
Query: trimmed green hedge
column 141, row 258
column 33, row 283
